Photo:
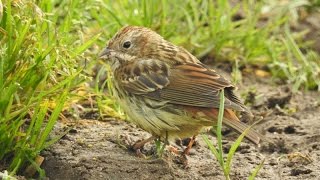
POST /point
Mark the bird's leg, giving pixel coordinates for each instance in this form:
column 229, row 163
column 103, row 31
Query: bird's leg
column 166, row 141
column 139, row 144
column 183, row 157
column 188, row 148
column 180, row 143
column 174, row 149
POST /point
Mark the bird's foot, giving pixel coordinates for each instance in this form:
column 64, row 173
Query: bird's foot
column 138, row 146
column 183, row 155
column 174, row 150
column 189, row 146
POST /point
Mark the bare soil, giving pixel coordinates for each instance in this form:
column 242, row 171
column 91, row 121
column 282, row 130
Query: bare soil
column 291, row 126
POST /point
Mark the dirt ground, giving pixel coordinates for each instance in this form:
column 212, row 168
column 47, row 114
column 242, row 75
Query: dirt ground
column 291, row 126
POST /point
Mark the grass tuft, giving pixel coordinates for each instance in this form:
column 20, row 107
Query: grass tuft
column 218, row 151
column 39, row 67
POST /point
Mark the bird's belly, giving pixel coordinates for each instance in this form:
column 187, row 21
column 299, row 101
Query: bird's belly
column 161, row 119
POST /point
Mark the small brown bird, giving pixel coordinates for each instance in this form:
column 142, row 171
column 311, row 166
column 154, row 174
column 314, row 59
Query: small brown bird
column 167, row 91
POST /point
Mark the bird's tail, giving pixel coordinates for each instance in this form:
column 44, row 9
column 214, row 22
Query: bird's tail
column 231, row 120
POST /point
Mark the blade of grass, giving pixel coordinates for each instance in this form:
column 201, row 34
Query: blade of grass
column 234, row 147
column 218, row 152
column 219, row 126
column 256, row 170
column 85, row 46
column 211, row 147
column 52, row 120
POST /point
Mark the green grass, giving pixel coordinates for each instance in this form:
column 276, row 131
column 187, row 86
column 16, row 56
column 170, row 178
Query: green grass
column 47, row 49
column 218, row 151
column 209, row 30
column 39, row 68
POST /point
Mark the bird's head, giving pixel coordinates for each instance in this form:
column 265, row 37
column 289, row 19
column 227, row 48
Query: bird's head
column 132, row 42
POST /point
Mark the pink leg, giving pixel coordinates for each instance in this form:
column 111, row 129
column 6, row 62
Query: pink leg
column 188, row 148
column 139, row 144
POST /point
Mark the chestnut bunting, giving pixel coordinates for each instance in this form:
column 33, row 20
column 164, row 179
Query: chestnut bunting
column 167, row 91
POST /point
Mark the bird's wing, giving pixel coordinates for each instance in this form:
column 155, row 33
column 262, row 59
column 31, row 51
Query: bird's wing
column 184, row 84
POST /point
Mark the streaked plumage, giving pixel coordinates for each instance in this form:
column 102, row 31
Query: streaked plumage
column 166, row 90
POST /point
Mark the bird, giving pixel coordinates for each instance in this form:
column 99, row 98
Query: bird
column 167, row 91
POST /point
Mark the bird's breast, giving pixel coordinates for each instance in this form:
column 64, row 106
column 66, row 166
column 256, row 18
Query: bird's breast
column 158, row 117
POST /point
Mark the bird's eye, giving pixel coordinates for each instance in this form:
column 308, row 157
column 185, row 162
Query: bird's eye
column 126, row 44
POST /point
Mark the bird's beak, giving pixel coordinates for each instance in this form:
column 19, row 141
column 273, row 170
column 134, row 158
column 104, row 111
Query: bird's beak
column 105, row 53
